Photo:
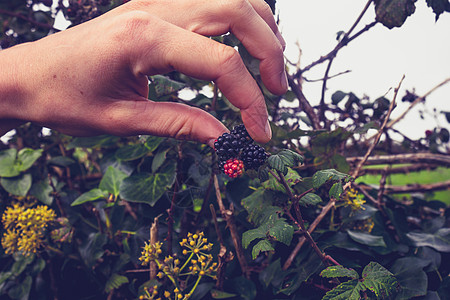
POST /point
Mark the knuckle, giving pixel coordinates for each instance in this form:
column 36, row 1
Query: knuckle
column 233, row 6
column 229, row 59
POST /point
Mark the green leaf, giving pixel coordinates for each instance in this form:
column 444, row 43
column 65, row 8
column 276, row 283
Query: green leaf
column 21, row 263
column 152, row 142
column 336, row 190
column 89, row 196
column 310, row 199
column 93, row 141
column 42, row 191
column 111, row 180
column 275, row 162
column 290, row 158
column 393, row 13
column 165, row 86
column 337, row 97
column 339, row 271
column 131, row 152
column 259, row 206
column 159, row 159
column 347, row 290
column 261, row 246
column 26, row 158
column 379, row 280
column 412, row 279
column 322, row 176
column 216, row 294
column 251, row 235
column 281, row 232
column 22, row 290
column 243, row 287
column 18, row 186
column 268, row 274
column 7, row 163
column 440, row 240
column 147, row 188
column 367, row 239
column 114, row 282
column 62, row 161
column 92, row 249
column 291, row 178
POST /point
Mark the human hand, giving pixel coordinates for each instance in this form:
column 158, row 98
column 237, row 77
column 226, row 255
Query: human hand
column 92, row 79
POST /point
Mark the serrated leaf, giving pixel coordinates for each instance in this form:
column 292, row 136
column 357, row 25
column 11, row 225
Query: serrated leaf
column 114, row 282
column 111, row 180
column 89, row 196
column 291, row 178
column 366, row 239
column 347, row 290
column 281, row 232
column 251, row 235
column 275, row 162
column 339, row 271
column 147, row 188
column 337, row 97
column 18, row 186
column 322, row 176
column 310, row 199
column 261, row 246
column 290, row 158
column 257, row 205
column 379, row 280
column 440, row 240
column 336, row 190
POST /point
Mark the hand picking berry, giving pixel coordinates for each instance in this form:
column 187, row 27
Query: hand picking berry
column 236, row 150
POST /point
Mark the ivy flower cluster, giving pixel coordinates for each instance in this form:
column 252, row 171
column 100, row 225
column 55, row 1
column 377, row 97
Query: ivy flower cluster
column 353, row 199
column 25, row 228
column 199, row 263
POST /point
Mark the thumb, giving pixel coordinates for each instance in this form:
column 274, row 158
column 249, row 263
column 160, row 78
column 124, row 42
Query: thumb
column 175, row 120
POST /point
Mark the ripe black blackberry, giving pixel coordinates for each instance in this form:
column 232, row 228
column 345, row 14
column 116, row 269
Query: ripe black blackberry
column 242, row 135
column 227, row 146
column 253, row 156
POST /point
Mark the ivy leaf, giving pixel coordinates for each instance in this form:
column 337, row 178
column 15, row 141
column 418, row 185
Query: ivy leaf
column 131, row 152
column 379, row 280
column 90, row 196
column 393, row 13
column 159, row 159
column 92, row 249
column 439, row 6
column 152, row 142
column 7, row 163
column 347, row 290
column 147, row 188
column 322, row 176
column 261, row 246
column 440, row 240
column 310, row 199
column 412, row 279
column 114, row 282
column 93, row 141
column 18, row 186
column 367, row 239
column 111, row 180
column 251, row 235
column 26, row 158
column 163, row 85
column 42, row 191
column 339, row 271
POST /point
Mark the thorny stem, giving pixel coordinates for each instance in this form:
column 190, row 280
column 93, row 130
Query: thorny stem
column 301, row 222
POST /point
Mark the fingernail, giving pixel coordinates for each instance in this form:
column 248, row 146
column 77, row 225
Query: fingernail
column 284, row 80
column 268, row 130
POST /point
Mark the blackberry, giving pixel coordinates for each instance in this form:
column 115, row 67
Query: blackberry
column 227, row 146
column 242, row 135
column 233, row 167
column 253, row 156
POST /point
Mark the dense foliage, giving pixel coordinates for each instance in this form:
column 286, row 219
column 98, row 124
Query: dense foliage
column 147, row 217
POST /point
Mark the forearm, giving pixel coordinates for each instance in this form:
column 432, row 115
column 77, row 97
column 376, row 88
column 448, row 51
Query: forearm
column 12, row 95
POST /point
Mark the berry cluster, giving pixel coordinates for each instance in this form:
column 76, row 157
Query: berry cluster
column 236, row 150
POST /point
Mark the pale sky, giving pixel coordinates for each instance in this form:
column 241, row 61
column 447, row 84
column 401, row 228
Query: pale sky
column 420, row 49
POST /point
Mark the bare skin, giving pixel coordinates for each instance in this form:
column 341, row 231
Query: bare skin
column 91, row 79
